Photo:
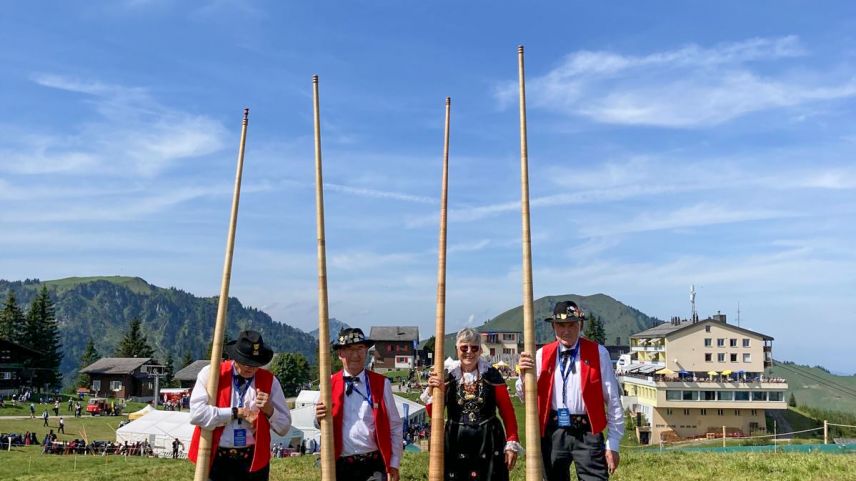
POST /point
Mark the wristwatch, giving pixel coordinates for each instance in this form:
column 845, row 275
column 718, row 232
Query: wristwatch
column 234, row 413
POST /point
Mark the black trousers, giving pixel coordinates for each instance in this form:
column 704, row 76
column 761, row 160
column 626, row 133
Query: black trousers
column 562, row 446
column 228, row 467
column 360, row 468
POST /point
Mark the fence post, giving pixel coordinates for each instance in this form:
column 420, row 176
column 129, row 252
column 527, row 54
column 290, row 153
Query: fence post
column 825, row 431
column 723, row 436
column 775, row 437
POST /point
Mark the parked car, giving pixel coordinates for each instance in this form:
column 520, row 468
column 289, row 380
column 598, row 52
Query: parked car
column 98, row 406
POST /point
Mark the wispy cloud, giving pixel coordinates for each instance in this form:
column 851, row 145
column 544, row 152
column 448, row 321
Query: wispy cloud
column 688, row 87
column 132, row 134
column 379, row 194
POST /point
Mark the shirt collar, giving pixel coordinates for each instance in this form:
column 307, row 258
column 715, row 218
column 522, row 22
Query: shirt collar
column 346, row 373
column 562, row 347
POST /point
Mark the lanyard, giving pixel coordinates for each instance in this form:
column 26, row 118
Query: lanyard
column 368, row 397
column 567, row 369
column 241, row 390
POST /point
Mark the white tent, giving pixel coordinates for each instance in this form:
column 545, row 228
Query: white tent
column 307, row 398
column 160, row 428
column 303, row 416
column 448, row 362
column 142, row 412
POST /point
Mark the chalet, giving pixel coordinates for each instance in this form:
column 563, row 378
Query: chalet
column 123, row 377
column 14, row 373
column 395, row 347
column 186, row 376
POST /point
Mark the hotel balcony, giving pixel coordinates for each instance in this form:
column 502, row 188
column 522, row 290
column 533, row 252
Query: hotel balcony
column 648, row 348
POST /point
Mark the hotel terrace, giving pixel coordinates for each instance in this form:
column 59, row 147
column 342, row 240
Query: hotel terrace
column 689, row 378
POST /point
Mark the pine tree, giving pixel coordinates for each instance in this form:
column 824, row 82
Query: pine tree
column 186, row 360
column 90, row 355
column 12, row 321
column 134, row 343
column 792, row 401
column 594, row 330
column 170, row 369
column 42, row 334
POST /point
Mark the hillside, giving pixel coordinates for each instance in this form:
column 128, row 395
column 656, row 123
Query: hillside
column 173, row 320
column 817, row 388
column 335, row 326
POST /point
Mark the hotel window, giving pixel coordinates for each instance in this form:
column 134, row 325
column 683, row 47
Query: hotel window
column 708, row 357
column 737, row 412
column 741, row 395
column 776, row 396
column 668, row 411
column 732, row 343
column 720, row 342
column 689, row 396
column 747, row 357
column 759, row 396
column 509, row 337
column 673, row 395
column 720, row 357
column 708, row 342
column 115, row 385
column 745, row 342
column 754, row 412
column 96, row 385
column 703, row 412
column 706, row 328
column 709, row 395
column 733, row 357
column 726, row 395
column 506, row 350
column 686, row 412
column 720, row 412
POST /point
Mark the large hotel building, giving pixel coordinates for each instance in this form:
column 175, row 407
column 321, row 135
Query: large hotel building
column 689, row 378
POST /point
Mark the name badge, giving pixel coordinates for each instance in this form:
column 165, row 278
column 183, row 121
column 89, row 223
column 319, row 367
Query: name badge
column 240, row 440
column 564, row 418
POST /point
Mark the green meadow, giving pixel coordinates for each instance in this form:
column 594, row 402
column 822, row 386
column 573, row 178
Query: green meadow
column 30, row 464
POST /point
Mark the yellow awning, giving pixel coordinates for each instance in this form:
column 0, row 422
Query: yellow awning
column 726, row 372
column 665, row 371
column 712, row 373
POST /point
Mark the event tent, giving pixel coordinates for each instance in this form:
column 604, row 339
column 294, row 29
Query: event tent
column 160, row 428
column 142, row 412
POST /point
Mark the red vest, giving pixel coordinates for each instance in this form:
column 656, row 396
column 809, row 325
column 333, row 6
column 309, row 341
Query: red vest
column 261, row 455
column 592, row 388
column 383, row 436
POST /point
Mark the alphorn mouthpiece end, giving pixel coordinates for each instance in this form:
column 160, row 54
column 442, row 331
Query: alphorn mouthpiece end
column 448, row 100
column 520, row 48
column 315, row 79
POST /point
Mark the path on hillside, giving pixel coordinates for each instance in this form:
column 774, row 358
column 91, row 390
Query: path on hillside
column 782, row 424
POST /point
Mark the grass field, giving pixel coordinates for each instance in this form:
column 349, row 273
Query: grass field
column 29, row 464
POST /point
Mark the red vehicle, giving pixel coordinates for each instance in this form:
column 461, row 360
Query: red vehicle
column 97, row 406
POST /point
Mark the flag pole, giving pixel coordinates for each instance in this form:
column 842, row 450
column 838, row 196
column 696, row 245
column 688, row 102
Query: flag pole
column 203, row 456
column 438, row 400
column 328, row 454
column 533, row 427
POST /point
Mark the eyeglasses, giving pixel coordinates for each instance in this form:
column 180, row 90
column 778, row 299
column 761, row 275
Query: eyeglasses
column 469, row 348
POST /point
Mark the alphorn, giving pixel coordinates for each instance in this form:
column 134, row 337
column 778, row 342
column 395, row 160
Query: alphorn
column 533, row 427
column 438, row 400
column 328, row 455
column 203, row 456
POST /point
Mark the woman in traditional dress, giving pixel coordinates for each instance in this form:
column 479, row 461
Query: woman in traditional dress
column 477, row 446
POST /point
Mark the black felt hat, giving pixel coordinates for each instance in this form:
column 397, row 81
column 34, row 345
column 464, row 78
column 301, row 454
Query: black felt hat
column 351, row 336
column 566, row 311
column 249, row 349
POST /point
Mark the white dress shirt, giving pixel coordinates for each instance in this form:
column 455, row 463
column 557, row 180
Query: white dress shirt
column 209, row 417
column 358, row 425
column 574, row 401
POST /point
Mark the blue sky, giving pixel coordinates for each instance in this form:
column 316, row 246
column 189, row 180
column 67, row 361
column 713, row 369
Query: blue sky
column 670, row 144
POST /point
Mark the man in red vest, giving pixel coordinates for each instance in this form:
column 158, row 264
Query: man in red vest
column 366, row 424
column 578, row 397
column 249, row 403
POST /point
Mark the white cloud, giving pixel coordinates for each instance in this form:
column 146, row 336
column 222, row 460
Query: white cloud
column 379, row 194
column 133, row 134
column 688, row 87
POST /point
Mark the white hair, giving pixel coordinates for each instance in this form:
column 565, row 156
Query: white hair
column 469, row 336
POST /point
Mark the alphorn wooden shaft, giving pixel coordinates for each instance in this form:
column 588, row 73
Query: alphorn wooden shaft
column 328, row 455
column 436, row 459
column 533, row 428
column 203, row 456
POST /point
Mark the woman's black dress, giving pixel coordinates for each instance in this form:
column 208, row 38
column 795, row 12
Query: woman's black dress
column 475, row 438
